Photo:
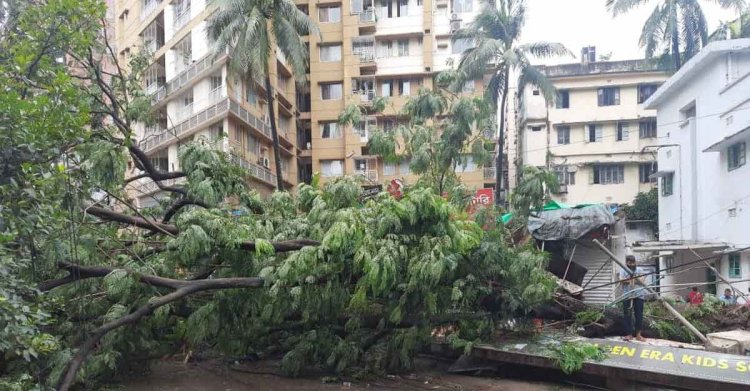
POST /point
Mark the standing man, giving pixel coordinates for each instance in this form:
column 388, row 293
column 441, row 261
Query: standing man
column 633, row 294
column 728, row 298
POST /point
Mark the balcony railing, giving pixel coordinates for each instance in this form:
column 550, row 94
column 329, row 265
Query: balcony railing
column 255, row 170
column 148, row 8
column 366, row 56
column 370, row 175
column 367, row 16
column 489, row 173
column 184, row 112
column 200, row 118
column 184, row 77
column 181, row 19
column 366, row 96
column 216, row 94
column 257, row 123
column 149, row 186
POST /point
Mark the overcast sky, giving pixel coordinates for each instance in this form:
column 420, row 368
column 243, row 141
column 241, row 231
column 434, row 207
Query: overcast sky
column 579, row 23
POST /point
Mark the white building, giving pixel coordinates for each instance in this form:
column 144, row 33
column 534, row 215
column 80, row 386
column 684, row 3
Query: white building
column 703, row 115
column 598, row 134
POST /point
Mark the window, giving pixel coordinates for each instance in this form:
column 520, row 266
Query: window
column 460, row 45
column 688, row 112
column 668, row 262
column 160, row 160
column 460, row 6
column 215, row 132
column 466, row 164
column 645, row 170
column 403, row 8
column 403, row 47
column 386, row 9
column 387, row 88
column 535, row 92
column 332, row 91
column 595, row 133
column 389, row 169
column 329, row 53
column 468, row 87
column 330, row 130
column 623, row 131
column 667, row 184
column 536, row 128
column 645, row 91
column 250, row 95
column 563, row 134
column 608, row 96
column 253, row 145
column 565, row 176
column 403, row 167
column 735, row 267
column 331, row 168
column 563, row 99
column 404, row 87
column 608, row 174
column 330, row 14
column 735, row 156
column 647, row 128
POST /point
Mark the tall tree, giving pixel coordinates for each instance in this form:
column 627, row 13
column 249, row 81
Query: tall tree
column 675, row 27
column 252, row 30
column 733, row 29
column 495, row 34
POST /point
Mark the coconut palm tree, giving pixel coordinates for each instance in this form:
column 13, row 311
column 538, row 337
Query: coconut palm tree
column 677, row 27
column 251, row 30
column 495, row 35
column 738, row 28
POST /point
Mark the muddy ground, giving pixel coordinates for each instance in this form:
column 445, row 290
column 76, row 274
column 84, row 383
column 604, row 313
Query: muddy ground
column 177, row 376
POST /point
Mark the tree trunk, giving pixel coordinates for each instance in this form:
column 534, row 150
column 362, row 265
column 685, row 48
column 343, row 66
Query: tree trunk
column 274, row 134
column 499, row 177
column 676, row 49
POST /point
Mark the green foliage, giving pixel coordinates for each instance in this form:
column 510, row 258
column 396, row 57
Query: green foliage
column 645, row 207
column 570, row 356
column 533, row 191
column 588, row 317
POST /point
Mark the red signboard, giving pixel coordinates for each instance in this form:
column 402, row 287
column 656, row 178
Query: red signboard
column 483, row 197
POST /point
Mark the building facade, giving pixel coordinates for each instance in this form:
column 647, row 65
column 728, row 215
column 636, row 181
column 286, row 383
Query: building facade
column 366, row 49
column 598, row 135
column 703, row 112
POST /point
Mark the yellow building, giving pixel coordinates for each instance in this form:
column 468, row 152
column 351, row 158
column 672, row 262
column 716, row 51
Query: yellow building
column 598, row 136
column 366, row 49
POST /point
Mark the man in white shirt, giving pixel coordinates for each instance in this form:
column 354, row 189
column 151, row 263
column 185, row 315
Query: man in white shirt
column 633, row 297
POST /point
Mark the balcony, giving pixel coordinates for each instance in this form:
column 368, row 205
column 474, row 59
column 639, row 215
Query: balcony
column 366, row 97
column 184, row 78
column 149, row 187
column 367, row 16
column 370, row 175
column 184, row 113
column 215, row 95
column 203, row 117
column 255, row 170
column 489, row 173
column 256, row 123
column 181, row 20
column 148, row 7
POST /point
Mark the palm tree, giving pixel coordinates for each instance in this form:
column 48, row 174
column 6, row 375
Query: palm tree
column 738, row 28
column 676, row 26
column 495, row 33
column 251, row 30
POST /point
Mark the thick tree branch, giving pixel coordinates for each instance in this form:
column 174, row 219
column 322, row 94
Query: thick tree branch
column 146, row 165
column 179, row 205
column 188, row 288
column 109, row 215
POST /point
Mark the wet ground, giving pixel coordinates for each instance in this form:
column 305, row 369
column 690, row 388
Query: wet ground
column 177, row 376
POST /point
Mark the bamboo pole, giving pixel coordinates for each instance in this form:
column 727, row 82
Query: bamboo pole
column 658, row 296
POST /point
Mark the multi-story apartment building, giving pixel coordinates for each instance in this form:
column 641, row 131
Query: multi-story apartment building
column 370, row 49
column 366, row 49
column 195, row 95
column 598, row 136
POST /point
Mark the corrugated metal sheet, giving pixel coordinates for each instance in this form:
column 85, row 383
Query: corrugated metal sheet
column 592, row 258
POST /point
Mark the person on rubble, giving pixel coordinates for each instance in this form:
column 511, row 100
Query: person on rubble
column 695, row 297
column 633, row 293
column 728, row 298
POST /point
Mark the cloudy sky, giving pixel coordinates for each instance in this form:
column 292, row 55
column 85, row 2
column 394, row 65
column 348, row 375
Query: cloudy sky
column 579, row 23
